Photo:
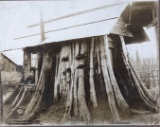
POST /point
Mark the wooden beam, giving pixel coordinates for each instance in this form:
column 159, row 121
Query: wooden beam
column 152, row 23
column 142, row 7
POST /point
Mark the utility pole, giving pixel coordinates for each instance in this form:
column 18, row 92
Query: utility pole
column 64, row 17
column 42, row 27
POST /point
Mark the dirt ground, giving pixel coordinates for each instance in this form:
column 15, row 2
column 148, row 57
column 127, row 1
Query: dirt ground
column 101, row 115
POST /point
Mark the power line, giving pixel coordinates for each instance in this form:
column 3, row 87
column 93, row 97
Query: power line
column 78, row 13
column 10, row 49
column 83, row 24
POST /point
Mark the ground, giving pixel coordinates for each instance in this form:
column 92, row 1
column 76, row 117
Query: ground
column 101, row 115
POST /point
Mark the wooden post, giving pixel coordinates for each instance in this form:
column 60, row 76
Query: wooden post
column 1, row 95
column 1, row 99
column 36, row 69
column 27, row 63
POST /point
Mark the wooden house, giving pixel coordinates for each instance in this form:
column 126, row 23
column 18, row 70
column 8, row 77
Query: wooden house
column 84, row 60
column 9, row 64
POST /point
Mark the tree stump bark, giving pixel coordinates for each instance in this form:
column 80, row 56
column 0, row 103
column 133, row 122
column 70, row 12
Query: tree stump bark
column 40, row 86
column 91, row 80
column 74, row 80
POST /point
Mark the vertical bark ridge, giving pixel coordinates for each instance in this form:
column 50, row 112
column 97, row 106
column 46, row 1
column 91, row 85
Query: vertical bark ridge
column 143, row 92
column 91, row 79
column 56, row 79
column 122, row 104
column 109, row 89
column 17, row 97
column 37, row 97
column 83, row 109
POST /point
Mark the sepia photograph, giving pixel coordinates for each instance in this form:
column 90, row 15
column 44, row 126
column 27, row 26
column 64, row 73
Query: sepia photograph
column 79, row 62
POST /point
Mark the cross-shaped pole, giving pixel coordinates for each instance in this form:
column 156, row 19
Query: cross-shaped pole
column 42, row 27
column 63, row 17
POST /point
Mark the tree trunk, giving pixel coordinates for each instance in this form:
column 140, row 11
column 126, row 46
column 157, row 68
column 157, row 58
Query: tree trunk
column 91, row 80
column 108, row 85
column 83, row 109
column 20, row 99
column 38, row 66
column 40, row 86
column 143, row 92
column 119, row 98
column 56, row 79
column 82, row 105
column 75, row 82
column 76, row 102
column 27, row 63
column 77, row 66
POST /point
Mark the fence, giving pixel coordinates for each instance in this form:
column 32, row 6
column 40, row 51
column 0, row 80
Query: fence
column 149, row 77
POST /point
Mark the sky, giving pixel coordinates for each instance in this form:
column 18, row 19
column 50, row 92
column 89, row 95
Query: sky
column 146, row 49
column 17, row 15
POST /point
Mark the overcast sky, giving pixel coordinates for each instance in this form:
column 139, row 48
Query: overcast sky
column 17, row 15
column 146, row 49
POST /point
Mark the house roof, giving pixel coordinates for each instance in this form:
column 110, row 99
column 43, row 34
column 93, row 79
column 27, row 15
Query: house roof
column 100, row 21
column 12, row 56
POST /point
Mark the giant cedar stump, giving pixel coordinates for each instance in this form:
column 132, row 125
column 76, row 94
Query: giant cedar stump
column 74, row 80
